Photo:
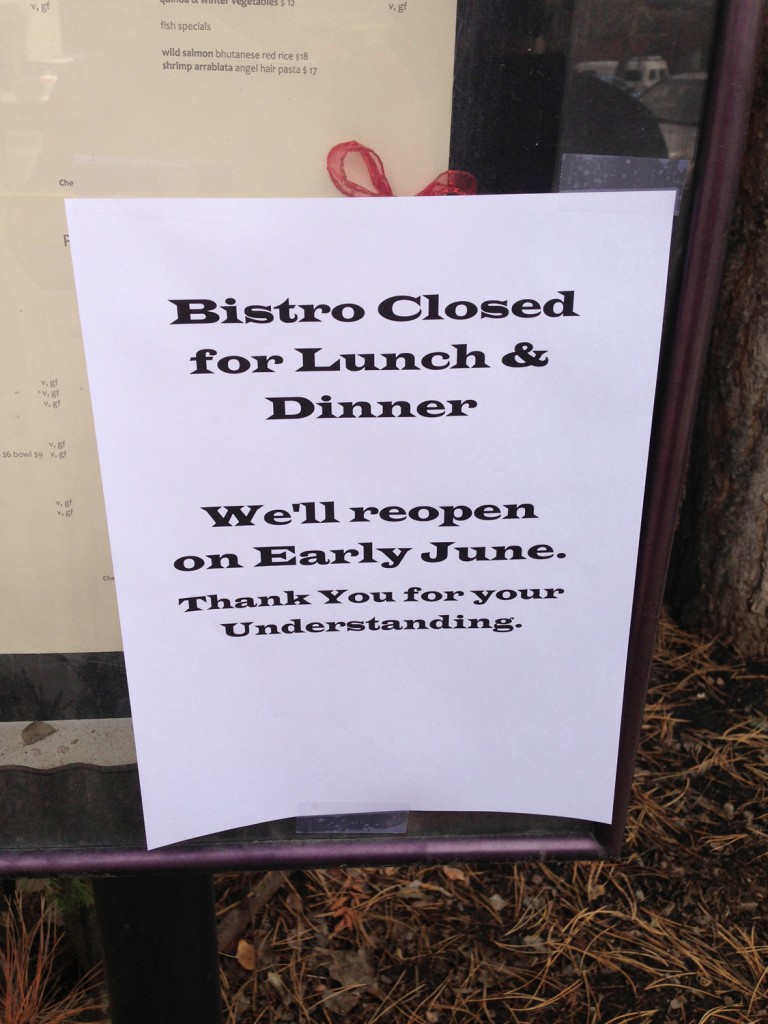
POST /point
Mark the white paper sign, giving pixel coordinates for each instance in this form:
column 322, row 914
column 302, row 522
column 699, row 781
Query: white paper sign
column 373, row 473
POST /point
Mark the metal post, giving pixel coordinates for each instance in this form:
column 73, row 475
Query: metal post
column 159, row 944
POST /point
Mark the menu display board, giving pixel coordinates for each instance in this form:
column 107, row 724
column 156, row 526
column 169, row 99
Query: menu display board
column 431, row 412
column 163, row 98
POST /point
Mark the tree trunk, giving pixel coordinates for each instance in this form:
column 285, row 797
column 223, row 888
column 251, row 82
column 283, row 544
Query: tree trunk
column 719, row 573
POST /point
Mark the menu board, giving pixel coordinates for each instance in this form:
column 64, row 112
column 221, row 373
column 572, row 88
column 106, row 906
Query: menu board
column 163, row 98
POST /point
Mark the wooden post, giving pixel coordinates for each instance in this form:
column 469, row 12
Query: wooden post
column 158, row 938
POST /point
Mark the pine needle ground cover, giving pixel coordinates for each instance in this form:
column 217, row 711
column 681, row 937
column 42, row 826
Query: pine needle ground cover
column 36, row 986
column 677, row 931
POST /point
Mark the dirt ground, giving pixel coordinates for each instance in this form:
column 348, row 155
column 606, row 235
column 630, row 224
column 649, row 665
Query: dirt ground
column 677, row 931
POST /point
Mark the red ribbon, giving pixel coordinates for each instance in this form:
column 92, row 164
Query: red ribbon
column 449, row 183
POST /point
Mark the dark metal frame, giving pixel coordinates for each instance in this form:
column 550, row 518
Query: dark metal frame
column 737, row 49
column 721, row 150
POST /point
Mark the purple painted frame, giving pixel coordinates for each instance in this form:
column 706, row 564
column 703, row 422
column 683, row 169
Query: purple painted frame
column 719, row 164
column 722, row 145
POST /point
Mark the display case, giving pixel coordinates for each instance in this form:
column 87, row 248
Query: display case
column 245, row 100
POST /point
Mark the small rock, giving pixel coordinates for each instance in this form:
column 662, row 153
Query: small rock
column 36, row 731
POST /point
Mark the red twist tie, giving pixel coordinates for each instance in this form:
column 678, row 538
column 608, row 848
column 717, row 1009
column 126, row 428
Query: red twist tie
column 449, row 183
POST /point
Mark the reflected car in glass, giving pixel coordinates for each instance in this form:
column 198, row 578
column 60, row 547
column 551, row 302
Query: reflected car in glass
column 676, row 104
